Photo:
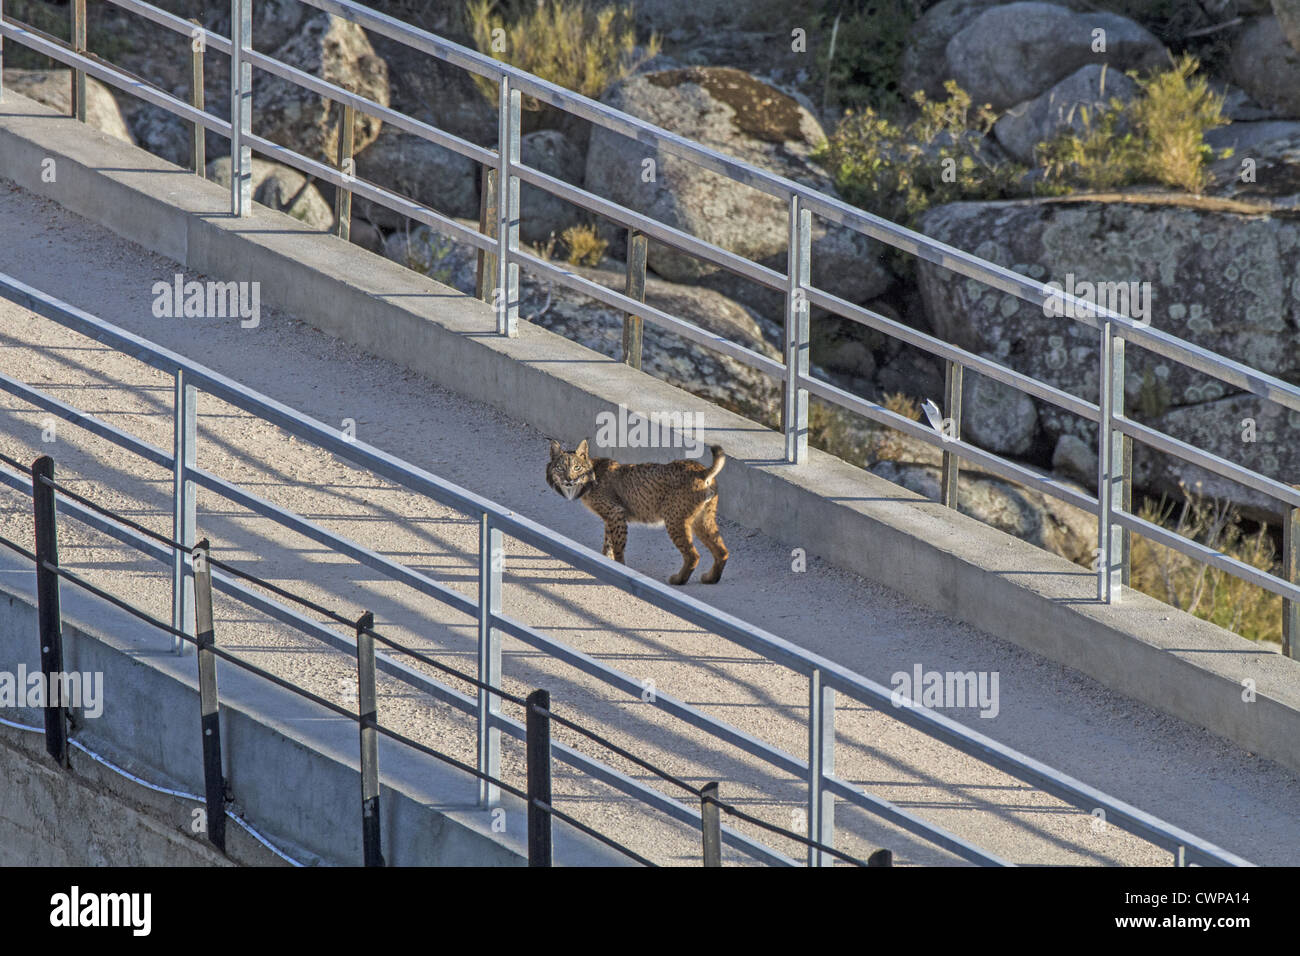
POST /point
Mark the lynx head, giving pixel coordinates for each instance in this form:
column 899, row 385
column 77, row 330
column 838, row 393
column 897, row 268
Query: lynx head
column 571, row 473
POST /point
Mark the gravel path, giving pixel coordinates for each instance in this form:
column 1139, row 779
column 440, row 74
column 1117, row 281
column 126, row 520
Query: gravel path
column 1160, row 764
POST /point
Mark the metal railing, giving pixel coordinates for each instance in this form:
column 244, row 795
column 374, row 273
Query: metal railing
column 500, row 258
column 825, row 678
column 50, row 497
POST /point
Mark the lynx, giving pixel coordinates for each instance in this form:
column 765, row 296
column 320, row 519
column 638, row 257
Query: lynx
column 681, row 495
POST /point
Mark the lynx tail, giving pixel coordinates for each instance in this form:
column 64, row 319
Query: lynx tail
column 719, row 459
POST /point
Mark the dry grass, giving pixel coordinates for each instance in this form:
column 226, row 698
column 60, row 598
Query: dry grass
column 567, row 42
column 584, row 247
column 1197, row 588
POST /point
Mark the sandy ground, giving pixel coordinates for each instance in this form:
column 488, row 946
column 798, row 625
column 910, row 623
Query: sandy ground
column 1163, row 765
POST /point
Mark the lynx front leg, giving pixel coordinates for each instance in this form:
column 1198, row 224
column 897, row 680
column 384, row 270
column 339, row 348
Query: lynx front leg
column 615, row 537
column 680, row 532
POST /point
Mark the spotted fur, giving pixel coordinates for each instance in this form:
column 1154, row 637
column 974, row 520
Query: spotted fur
column 682, row 495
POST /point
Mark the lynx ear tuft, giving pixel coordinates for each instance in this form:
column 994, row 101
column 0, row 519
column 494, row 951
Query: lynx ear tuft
column 556, row 448
column 582, row 449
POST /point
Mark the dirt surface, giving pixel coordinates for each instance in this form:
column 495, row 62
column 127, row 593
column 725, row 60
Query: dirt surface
column 1158, row 763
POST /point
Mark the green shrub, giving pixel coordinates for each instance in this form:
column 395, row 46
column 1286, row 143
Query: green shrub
column 1158, row 138
column 897, row 170
column 864, row 67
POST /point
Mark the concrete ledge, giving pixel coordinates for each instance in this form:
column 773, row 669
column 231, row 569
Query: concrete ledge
column 291, row 765
column 937, row 557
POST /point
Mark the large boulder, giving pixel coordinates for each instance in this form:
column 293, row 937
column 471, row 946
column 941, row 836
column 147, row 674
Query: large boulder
column 997, row 416
column 414, row 167
column 437, row 93
column 1226, row 281
column 1288, row 17
column 1262, row 170
column 283, row 189
column 54, row 89
column 1242, row 429
column 1266, row 66
column 1012, row 53
column 543, row 214
column 1073, row 104
column 732, row 112
column 334, row 50
column 924, row 65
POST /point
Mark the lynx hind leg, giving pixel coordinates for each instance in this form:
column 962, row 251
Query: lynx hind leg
column 679, row 530
column 706, row 529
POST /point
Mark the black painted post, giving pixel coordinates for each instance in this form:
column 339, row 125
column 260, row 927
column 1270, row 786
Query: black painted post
column 711, row 825
column 214, row 779
column 538, row 727
column 881, row 858
column 368, row 707
column 47, row 600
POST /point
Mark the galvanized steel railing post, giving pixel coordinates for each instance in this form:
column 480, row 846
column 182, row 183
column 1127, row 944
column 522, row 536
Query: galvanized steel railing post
column 537, row 725
column 198, row 142
column 509, row 121
column 491, row 562
column 711, row 825
column 49, row 612
column 241, row 107
column 950, row 478
column 794, row 400
column 1291, row 572
column 1110, row 467
column 184, row 439
column 821, row 764
column 368, row 718
column 2, row 54
column 637, row 248
column 78, row 9
column 214, row 780
column 343, row 197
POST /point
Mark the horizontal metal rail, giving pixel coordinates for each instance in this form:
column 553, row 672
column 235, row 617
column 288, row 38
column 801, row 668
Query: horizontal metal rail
column 986, row 459
column 388, row 663
column 826, row 207
column 528, row 532
column 113, row 76
column 1190, row 453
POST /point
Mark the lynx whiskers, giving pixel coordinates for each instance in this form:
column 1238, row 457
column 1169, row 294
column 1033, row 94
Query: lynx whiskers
column 682, row 495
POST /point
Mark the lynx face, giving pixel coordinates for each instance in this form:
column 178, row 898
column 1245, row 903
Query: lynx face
column 570, row 472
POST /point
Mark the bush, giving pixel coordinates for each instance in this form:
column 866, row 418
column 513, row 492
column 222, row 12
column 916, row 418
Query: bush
column 564, row 41
column 866, row 62
column 584, row 246
column 1158, row 138
column 897, row 171
column 1192, row 586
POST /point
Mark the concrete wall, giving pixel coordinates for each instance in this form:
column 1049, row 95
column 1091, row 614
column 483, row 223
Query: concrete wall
column 1042, row 602
column 291, row 766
